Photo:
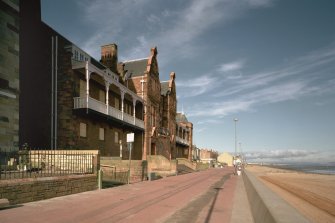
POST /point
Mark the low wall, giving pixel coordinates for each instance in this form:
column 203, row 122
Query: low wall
column 161, row 166
column 138, row 168
column 33, row 189
column 266, row 206
column 186, row 162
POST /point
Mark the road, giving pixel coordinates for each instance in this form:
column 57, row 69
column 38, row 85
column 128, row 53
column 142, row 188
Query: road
column 205, row 196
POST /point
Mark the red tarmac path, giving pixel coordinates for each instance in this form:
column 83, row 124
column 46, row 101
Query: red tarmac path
column 206, row 196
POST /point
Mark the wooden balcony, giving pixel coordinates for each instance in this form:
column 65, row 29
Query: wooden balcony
column 101, row 107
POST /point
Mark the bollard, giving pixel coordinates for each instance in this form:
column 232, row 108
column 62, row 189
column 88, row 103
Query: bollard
column 100, row 175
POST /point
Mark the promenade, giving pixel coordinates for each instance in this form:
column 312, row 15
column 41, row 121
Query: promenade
column 214, row 195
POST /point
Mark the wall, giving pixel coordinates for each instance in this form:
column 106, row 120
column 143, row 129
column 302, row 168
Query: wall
column 266, row 206
column 28, row 190
column 187, row 162
column 9, row 74
column 225, row 158
column 138, row 168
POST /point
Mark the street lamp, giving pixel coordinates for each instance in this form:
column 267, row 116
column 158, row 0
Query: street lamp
column 235, row 120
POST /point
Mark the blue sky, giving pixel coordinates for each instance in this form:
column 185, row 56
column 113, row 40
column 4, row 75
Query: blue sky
column 271, row 64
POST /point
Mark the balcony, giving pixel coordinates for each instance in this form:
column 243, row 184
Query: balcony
column 182, row 141
column 98, row 106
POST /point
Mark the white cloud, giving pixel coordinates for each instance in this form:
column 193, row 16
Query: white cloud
column 172, row 29
column 290, row 156
column 197, row 86
column 232, row 66
column 301, row 78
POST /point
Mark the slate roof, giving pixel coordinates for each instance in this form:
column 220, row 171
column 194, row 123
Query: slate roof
column 136, row 67
column 164, row 88
column 180, row 117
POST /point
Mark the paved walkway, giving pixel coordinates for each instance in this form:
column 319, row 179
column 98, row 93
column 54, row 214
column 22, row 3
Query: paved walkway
column 207, row 196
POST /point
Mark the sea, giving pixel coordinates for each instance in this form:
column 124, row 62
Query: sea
column 328, row 168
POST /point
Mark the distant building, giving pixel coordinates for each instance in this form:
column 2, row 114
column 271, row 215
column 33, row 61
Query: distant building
column 184, row 137
column 9, row 74
column 225, row 158
column 195, row 153
column 208, row 155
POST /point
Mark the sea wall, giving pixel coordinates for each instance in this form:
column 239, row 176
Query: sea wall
column 267, row 206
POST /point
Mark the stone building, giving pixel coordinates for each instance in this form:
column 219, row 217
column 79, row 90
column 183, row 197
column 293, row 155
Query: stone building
column 195, row 153
column 226, row 158
column 142, row 76
column 9, row 74
column 70, row 100
column 168, row 112
column 208, row 155
column 184, row 137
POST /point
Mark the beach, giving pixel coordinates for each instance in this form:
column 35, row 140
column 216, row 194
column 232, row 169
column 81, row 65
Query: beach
column 311, row 194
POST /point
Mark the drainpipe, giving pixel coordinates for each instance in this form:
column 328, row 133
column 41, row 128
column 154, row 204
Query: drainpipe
column 52, row 93
column 56, row 88
column 87, row 76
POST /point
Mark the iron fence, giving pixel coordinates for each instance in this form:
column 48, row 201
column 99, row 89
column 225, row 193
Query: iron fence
column 28, row 163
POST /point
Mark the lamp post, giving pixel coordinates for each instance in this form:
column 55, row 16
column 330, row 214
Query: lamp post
column 235, row 120
column 130, row 141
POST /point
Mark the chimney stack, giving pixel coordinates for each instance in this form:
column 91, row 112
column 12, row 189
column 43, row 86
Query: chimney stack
column 109, row 56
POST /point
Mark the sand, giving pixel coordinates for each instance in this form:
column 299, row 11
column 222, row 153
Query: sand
column 313, row 195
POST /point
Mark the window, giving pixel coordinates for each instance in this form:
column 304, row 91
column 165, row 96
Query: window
column 116, row 137
column 101, row 134
column 81, row 57
column 83, row 130
column 185, row 151
column 76, row 55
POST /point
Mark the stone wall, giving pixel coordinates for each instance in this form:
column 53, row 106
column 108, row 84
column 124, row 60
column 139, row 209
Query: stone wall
column 161, row 166
column 267, row 206
column 138, row 168
column 9, row 74
column 33, row 189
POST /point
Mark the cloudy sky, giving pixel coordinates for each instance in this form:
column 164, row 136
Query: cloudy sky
column 268, row 63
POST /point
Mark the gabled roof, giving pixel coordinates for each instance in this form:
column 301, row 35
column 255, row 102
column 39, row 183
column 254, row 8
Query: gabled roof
column 136, row 68
column 181, row 117
column 164, row 88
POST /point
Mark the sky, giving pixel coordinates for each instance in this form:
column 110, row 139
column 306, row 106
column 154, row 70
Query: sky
column 268, row 63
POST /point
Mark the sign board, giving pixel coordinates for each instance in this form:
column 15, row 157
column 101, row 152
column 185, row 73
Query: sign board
column 130, row 137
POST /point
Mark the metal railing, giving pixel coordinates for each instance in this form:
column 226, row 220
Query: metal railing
column 45, row 163
column 182, row 141
column 80, row 102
